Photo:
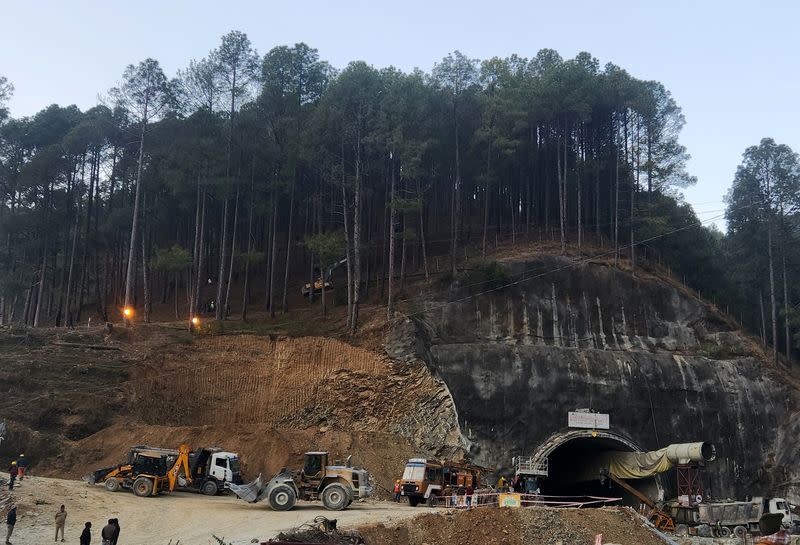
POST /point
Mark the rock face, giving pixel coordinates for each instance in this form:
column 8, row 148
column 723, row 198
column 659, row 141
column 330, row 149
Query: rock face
column 517, row 359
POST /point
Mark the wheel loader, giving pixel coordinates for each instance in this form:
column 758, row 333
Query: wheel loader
column 337, row 486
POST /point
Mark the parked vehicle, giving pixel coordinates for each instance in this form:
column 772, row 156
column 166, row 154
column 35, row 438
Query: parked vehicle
column 336, row 485
column 426, row 480
column 149, row 471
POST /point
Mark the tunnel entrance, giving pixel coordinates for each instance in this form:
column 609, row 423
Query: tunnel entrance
column 572, row 467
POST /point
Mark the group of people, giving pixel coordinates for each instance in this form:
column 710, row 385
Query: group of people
column 17, row 470
column 519, row 484
column 109, row 534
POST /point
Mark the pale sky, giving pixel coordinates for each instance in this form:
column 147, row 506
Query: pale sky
column 731, row 65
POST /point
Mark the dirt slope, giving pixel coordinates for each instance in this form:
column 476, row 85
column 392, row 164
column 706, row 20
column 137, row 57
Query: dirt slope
column 78, row 400
column 491, row 526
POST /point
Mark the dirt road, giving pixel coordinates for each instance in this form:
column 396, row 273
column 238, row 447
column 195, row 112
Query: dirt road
column 183, row 517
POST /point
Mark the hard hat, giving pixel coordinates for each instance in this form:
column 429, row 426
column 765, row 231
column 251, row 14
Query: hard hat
column 22, row 456
column 397, row 481
column 14, row 463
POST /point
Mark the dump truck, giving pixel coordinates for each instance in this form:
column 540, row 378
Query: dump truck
column 736, row 518
column 149, row 471
column 336, row 485
column 424, row 481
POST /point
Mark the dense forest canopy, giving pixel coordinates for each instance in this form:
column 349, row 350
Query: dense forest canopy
column 237, row 178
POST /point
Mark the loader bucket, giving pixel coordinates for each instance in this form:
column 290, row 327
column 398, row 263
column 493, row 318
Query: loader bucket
column 248, row 492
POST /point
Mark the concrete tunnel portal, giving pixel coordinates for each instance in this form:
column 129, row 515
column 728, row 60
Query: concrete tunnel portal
column 568, row 455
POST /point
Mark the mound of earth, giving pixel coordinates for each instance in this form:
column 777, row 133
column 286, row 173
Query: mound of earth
column 491, row 526
column 78, row 400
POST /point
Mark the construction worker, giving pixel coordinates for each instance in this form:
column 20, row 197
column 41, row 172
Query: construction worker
column 11, row 520
column 86, row 535
column 468, row 496
column 13, row 471
column 115, row 535
column 501, row 484
column 397, row 491
column 107, row 533
column 22, row 463
column 61, row 521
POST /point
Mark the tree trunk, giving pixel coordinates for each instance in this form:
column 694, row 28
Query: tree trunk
column 200, row 255
column 43, row 269
column 786, row 331
column 285, row 301
column 246, row 288
column 129, row 275
column 233, row 251
column 274, row 255
column 223, row 259
column 422, row 232
column 348, row 248
column 195, row 279
column 763, row 319
column 146, row 281
column 772, row 304
column 356, row 238
column 392, row 221
column 68, row 297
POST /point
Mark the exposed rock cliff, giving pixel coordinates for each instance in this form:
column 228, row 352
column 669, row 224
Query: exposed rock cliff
column 565, row 336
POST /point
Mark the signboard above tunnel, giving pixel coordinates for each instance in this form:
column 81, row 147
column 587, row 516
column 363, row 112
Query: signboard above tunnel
column 593, row 421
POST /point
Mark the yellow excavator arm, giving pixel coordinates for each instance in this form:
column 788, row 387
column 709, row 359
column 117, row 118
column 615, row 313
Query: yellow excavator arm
column 182, row 462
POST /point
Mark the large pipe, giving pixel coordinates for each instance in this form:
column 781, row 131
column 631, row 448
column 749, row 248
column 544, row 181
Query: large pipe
column 685, row 453
column 638, row 465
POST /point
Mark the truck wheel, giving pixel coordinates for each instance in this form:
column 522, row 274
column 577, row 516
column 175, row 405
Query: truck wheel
column 433, row 501
column 724, row 532
column 112, row 485
column 143, row 487
column 413, row 501
column 210, row 488
column 335, row 497
column 740, row 532
column 282, row 498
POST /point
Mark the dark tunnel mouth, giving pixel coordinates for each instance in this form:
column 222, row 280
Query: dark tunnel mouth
column 573, row 457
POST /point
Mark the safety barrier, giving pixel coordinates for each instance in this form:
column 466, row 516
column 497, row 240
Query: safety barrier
column 514, row 499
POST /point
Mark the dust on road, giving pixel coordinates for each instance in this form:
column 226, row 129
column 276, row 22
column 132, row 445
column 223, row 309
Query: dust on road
column 183, row 517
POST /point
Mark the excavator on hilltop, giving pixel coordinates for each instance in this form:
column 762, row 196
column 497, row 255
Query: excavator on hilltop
column 327, row 279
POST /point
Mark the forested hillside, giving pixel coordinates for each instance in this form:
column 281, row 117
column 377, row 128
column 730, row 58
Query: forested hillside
column 245, row 172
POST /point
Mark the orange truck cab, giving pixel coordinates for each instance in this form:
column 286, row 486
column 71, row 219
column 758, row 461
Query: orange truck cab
column 427, row 480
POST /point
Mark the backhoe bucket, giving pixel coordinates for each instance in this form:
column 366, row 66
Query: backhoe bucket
column 248, row 492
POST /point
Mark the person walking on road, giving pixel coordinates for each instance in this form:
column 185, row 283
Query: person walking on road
column 107, row 533
column 13, row 471
column 61, row 521
column 397, row 491
column 115, row 535
column 86, row 535
column 22, row 464
column 468, row 496
column 11, row 520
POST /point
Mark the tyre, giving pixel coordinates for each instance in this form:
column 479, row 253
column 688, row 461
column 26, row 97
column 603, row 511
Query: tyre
column 335, row 497
column 724, row 532
column 433, row 501
column 112, row 485
column 282, row 498
column 740, row 532
column 210, row 488
column 143, row 487
column 413, row 501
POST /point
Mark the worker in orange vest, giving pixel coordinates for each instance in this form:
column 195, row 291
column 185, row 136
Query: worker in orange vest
column 397, row 491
